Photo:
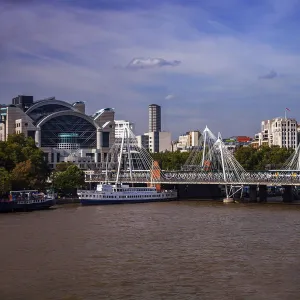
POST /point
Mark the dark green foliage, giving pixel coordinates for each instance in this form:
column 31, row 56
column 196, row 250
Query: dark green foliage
column 171, row 160
column 5, row 182
column 262, row 158
column 68, row 180
column 24, row 163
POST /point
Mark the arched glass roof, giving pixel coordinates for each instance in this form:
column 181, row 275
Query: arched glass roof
column 53, row 129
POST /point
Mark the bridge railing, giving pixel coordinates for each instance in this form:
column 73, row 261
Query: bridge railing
column 279, row 178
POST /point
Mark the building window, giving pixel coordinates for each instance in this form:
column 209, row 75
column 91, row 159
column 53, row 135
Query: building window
column 105, row 139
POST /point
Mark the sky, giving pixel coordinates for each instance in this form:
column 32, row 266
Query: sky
column 227, row 64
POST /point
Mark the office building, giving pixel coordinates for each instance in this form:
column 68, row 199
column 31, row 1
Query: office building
column 158, row 141
column 187, row 141
column 280, row 132
column 155, row 140
column 154, row 118
column 119, row 127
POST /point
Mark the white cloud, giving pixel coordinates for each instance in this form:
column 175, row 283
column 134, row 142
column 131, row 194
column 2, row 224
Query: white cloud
column 169, row 97
column 68, row 52
column 146, row 63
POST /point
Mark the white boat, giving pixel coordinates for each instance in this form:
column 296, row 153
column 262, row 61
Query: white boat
column 119, row 193
column 122, row 193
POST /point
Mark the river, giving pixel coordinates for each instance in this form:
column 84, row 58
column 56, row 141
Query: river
column 177, row 250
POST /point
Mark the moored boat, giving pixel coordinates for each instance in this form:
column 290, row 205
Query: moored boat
column 26, row 200
column 129, row 160
column 106, row 193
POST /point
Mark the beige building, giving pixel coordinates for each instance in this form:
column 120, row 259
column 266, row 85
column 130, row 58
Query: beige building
column 188, row 141
column 280, row 132
column 157, row 141
column 62, row 130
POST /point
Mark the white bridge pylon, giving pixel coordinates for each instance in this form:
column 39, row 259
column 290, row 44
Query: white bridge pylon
column 198, row 156
column 293, row 162
column 213, row 157
column 128, row 162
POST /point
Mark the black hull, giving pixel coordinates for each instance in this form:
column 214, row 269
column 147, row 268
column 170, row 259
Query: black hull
column 11, row 206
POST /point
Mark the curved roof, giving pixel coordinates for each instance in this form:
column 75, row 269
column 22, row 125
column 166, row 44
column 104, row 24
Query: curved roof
column 78, row 102
column 66, row 113
column 47, row 102
column 101, row 111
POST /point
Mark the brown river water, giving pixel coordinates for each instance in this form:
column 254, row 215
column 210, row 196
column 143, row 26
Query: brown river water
column 177, row 250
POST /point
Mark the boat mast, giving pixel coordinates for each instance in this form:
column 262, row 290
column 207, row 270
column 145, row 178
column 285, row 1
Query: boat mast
column 204, row 148
column 151, row 174
column 120, row 157
column 106, row 169
column 129, row 153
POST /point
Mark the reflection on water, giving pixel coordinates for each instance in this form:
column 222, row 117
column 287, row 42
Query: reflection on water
column 179, row 250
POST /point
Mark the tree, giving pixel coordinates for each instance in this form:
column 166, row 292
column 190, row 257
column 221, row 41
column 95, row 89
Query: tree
column 25, row 161
column 62, row 166
column 5, row 182
column 262, row 158
column 171, row 160
column 69, row 180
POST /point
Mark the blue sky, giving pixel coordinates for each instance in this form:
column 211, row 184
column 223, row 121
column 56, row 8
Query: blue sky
column 227, row 64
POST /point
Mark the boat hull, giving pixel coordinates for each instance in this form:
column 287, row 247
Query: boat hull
column 10, row 206
column 86, row 202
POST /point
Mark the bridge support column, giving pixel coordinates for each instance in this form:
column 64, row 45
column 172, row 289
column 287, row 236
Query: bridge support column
column 252, row 193
column 262, row 193
column 288, row 195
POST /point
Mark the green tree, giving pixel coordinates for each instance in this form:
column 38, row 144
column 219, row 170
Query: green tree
column 5, row 182
column 22, row 175
column 20, row 157
column 170, row 160
column 262, row 158
column 69, row 180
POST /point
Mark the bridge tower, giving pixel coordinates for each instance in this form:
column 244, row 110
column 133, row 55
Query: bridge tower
column 198, row 159
column 291, row 169
column 128, row 162
column 293, row 162
column 213, row 158
column 232, row 171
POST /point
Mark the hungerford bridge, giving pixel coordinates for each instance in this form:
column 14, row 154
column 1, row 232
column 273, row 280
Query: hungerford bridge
column 209, row 163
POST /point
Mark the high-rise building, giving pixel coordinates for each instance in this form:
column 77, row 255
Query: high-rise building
column 155, row 140
column 154, row 118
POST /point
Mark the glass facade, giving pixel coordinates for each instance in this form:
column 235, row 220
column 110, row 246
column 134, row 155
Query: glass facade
column 68, row 130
